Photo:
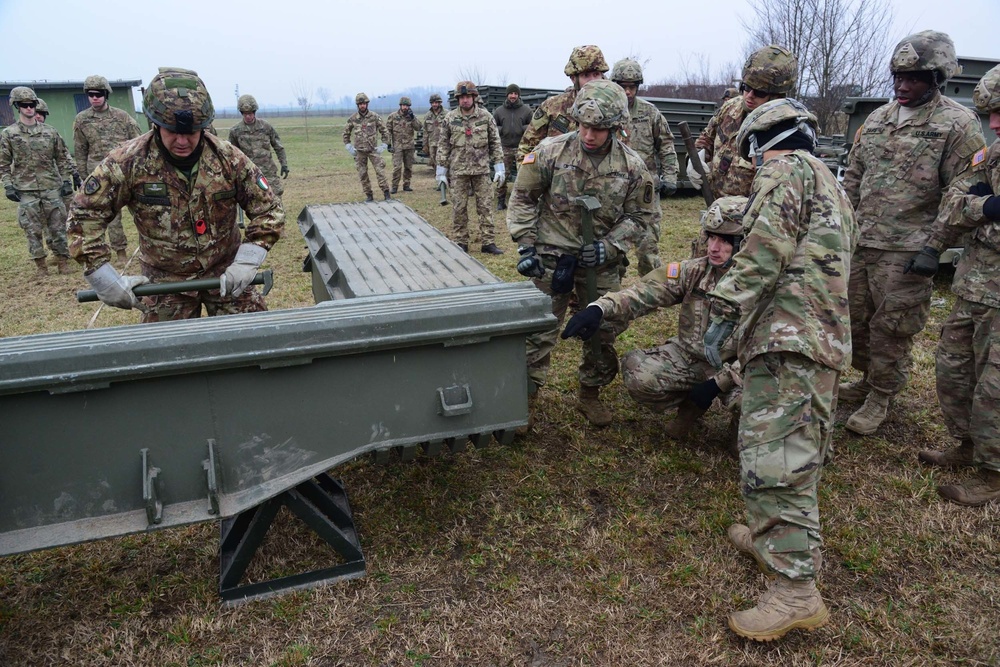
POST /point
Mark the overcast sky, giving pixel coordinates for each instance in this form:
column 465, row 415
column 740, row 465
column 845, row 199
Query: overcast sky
column 386, row 46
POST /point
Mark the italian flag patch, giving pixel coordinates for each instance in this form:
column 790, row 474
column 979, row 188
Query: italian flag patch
column 262, row 183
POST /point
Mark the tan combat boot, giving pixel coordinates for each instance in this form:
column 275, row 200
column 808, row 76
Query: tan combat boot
column 981, row 489
column 869, row 416
column 955, row 457
column 688, row 414
column 62, row 264
column 854, row 392
column 787, row 604
column 122, row 256
column 589, row 403
column 40, row 268
column 741, row 538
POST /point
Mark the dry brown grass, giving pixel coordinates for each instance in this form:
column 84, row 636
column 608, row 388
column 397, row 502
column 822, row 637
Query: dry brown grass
column 574, row 546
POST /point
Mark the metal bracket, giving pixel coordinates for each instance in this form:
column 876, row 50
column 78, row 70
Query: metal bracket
column 212, row 475
column 150, row 491
column 455, row 400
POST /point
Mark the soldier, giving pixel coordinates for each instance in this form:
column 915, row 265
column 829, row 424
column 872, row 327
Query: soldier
column 96, row 131
column 401, row 126
column 769, row 73
column 256, row 138
column 433, row 122
column 649, row 136
column 788, row 288
column 183, row 186
column 366, row 126
column 906, row 176
column 547, row 224
column 553, row 116
column 34, row 170
column 41, row 114
column 676, row 374
column 469, row 144
column 511, row 118
column 968, row 377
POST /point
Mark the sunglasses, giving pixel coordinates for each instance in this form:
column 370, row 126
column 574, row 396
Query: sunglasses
column 27, row 105
column 753, row 91
column 95, row 93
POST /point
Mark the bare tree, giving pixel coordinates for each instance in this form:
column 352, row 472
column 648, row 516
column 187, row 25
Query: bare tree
column 842, row 47
column 303, row 97
column 323, row 93
column 696, row 82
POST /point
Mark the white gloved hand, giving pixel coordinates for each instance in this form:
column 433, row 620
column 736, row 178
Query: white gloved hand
column 693, row 175
column 441, row 175
column 242, row 271
column 380, row 148
column 500, row 172
column 350, row 149
column 115, row 289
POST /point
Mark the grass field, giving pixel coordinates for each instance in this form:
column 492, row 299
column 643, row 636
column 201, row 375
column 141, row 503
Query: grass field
column 573, row 546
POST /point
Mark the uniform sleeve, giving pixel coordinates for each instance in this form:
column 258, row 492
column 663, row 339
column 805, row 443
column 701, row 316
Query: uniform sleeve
column 347, row 130
column 522, row 211
column 234, row 137
column 654, row 291
column 855, row 169
column 415, row 124
column 102, row 196
column 537, row 130
column 64, row 163
column 640, row 211
column 6, row 160
column 444, row 145
column 966, row 210
column 381, row 129
column 390, row 126
column 496, row 153
column 958, row 174
column 265, row 215
column 279, row 148
column 427, row 132
column 706, row 140
column 666, row 151
column 80, row 146
column 133, row 130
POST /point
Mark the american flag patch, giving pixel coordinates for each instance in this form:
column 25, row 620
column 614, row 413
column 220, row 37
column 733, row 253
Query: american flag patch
column 673, row 270
column 528, row 159
column 978, row 157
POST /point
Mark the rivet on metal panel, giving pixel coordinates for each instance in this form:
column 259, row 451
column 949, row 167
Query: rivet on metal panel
column 150, row 490
column 212, row 474
column 455, row 400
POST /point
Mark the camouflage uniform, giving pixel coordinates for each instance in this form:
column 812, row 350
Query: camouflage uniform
column 511, row 120
column 552, row 118
column 41, row 114
column 95, row 134
column 433, row 122
column 543, row 213
column 661, row 377
column 256, row 141
column 363, row 132
column 187, row 225
column 469, row 145
column 33, row 159
column 401, row 130
column 906, row 179
column 728, row 173
column 788, row 288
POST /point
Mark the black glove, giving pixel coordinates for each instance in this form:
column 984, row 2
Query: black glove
column 66, row 190
column 924, row 263
column 704, row 393
column 980, row 190
column 564, row 277
column 584, row 324
column 11, row 193
column 530, row 264
column 284, row 171
column 597, row 253
column 77, row 181
column 667, row 188
column 390, row 148
column 991, row 209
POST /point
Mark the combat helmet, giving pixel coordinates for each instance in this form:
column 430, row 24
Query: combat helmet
column 776, row 112
column 435, row 98
column 601, row 104
column 22, row 94
column 361, row 98
column 626, row 70
column 772, row 69
column 725, row 218
column 178, row 101
column 586, row 59
column 97, row 82
column 986, row 96
column 246, row 104
column 466, row 88
column 42, row 107
column 406, row 101
column 926, row 51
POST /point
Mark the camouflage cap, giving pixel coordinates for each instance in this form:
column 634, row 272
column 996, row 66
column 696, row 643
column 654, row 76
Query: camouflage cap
column 246, row 104
column 586, row 59
column 768, row 115
column 772, row 69
column 466, row 88
column 725, row 216
column 730, row 93
column 361, row 98
column 926, row 51
column 601, row 104
column 22, row 94
column 96, row 82
column 42, row 107
column 177, row 100
column 435, row 98
column 986, row 96
column 627, row 70
column 406, row 101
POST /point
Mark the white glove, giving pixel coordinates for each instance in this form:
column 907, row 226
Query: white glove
column 500, row 172
column 242, row 271
column 350, row 149
column 380, row 148
column 441, row 175
column 693, row 175
column 115, row 289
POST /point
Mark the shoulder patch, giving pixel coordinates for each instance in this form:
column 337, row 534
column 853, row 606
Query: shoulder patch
column 647, row 194
column 978, row 157
column 674, row 270
column 539, row 113
column 528, row 159
column 91, row 186
column 262, row 183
